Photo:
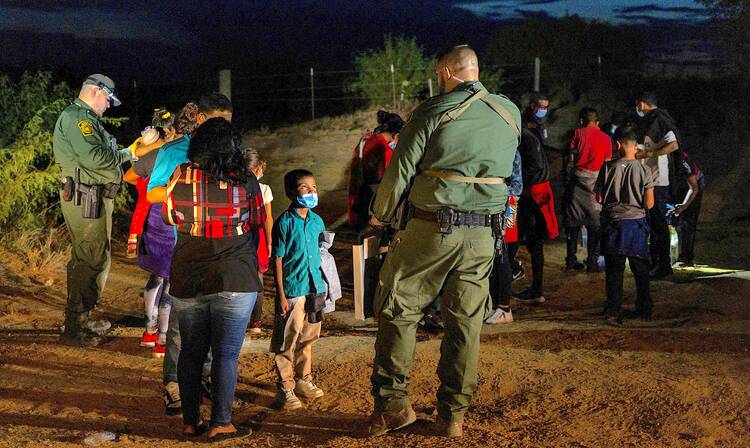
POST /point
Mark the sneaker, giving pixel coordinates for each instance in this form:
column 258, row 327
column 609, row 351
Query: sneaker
column 500, row 317
column 132, row 246
column 593, row 267
column 172, row 401
column 528, row 296
column 683, row 264
column 149, row 339
column 307, row 389
column 287, row 400
column 575, row 266
column 453, row 427
column 256, row 328
column 100, row 327
column 518, row 272
column 382, row 422
column 160, row 351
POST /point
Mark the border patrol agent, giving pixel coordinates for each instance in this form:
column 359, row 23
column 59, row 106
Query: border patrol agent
column 91, row 176
column 451, row 162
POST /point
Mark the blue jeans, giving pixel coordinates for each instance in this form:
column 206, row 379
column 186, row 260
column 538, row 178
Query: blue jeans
column 217, row 322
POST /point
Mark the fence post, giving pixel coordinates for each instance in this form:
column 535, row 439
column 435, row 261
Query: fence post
column 429, row 85
column 225, row 83
column 537, row 73
column 393, row 85
column 312, row 92
column 136, row 123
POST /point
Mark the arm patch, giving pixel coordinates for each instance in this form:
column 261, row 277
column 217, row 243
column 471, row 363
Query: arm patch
column 86, row 128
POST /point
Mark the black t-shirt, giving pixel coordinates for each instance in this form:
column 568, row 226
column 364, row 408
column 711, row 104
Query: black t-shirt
column 686, row 167
column 534, row 163
column 659, row 124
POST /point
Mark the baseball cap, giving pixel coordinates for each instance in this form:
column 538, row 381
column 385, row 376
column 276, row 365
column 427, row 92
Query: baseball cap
column 106, row 84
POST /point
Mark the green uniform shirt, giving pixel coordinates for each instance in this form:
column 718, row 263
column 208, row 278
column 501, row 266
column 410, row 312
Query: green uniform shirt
column 479, row 143
column 80, row 141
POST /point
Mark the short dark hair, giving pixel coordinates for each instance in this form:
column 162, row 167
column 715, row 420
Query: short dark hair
column 536, row 98
column 626, row 134
column 215, row 148
column 214, row 101
column 389, row 122
column 648, row 97
column 290, row 181
column 588, row 115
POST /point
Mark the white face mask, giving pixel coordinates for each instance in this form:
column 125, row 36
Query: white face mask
column 639, row 112
column 258, row 176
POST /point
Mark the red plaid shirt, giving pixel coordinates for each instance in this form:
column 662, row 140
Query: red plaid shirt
column 201, row 207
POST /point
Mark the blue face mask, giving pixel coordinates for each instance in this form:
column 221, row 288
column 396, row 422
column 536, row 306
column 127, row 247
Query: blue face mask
column 309, row 200
column 639, row 112
column 541, row 113
column 392, row 145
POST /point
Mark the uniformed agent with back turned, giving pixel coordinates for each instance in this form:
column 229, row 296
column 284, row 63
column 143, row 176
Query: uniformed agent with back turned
column 91, row 176
column 450, row 164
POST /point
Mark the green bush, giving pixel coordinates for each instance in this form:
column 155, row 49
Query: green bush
column 29, row 177
column 412, row 69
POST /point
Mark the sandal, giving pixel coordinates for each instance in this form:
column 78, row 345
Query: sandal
column 200, row 429
column 239, row 433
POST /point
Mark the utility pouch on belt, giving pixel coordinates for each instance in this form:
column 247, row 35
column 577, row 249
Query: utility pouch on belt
column 110, row 190
column 445, row 218
column 498, row 231
column 91, row 200
column 68, row 188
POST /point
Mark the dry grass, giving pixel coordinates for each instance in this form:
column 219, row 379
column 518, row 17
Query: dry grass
column 37, row 253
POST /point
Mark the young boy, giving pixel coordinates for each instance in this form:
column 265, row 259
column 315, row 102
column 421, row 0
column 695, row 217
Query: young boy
column 300, row 286
column 625, row 188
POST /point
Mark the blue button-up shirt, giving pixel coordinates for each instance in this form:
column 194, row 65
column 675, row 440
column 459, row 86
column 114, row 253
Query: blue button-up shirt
column 295, row 240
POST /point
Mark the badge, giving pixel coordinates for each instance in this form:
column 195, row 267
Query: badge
column 86, row 127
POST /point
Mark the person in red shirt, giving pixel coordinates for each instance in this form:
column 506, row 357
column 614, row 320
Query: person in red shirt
column 371, row 157
column 589, row 149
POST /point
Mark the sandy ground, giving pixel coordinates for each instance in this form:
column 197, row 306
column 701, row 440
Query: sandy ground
column 558, row 376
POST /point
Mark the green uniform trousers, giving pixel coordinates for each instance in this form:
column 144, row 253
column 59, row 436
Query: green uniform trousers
column 89, row 261
column 423, row 263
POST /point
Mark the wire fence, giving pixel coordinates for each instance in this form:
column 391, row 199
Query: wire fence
column 272, row 99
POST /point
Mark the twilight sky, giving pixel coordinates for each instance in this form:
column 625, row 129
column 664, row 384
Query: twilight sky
column 614, row 11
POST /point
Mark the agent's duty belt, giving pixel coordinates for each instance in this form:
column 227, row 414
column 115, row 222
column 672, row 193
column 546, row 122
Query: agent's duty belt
column 455, row 218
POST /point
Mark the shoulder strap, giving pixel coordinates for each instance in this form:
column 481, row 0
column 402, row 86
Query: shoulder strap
column 482, row 95
column 461, row 108
column 504, row 114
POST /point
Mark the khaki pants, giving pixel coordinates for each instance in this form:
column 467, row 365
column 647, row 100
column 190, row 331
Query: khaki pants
column 293, row 360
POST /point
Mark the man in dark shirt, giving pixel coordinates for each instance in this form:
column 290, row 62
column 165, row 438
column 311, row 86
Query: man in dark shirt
column 536, row 211
column 687, row 176
column 534, row 116
column 659, row 142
